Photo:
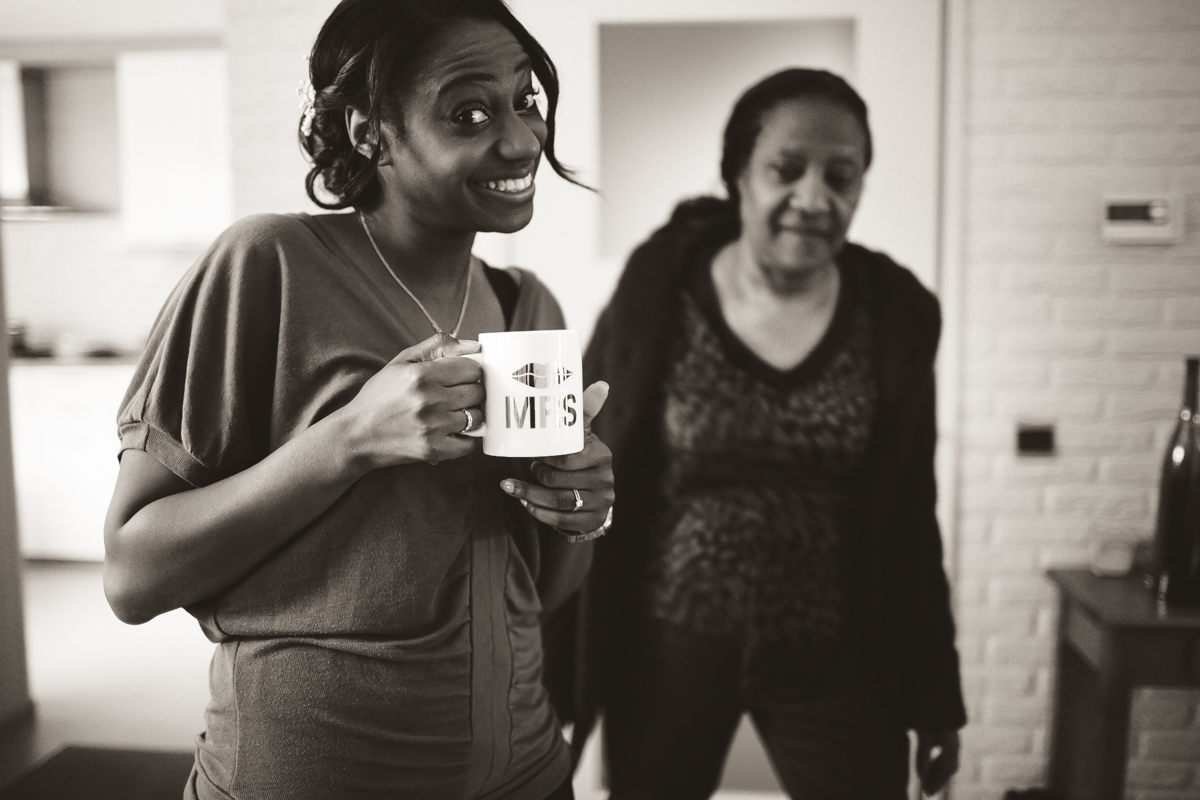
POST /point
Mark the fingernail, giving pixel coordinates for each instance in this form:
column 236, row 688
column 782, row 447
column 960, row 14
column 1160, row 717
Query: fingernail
column 508, row 486
column 525, row 503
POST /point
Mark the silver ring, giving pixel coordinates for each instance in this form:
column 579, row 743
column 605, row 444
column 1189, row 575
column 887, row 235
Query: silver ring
column 578, row 500
column 470, row 422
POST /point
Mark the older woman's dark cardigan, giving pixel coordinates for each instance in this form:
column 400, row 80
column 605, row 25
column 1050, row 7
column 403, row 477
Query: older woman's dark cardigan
column 897, row 584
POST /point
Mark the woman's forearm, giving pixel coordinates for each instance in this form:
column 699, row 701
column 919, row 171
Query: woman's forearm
column 168, row 545
column 186, row 545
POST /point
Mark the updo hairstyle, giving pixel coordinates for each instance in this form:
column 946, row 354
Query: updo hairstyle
column 367, row 52
column 745, row 121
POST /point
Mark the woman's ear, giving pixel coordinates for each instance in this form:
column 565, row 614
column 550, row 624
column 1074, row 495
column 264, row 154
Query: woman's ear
column 364, row 139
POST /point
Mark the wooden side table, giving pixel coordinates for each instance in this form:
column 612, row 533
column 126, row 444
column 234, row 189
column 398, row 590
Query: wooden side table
column 1112, row 638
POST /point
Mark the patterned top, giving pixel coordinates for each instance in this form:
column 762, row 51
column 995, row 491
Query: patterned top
column 757, row 478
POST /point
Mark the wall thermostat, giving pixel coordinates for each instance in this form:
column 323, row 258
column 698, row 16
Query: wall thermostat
column 1143, row 219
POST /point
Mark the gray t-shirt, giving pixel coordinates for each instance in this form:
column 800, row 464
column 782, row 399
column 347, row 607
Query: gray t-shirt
column 391, row 648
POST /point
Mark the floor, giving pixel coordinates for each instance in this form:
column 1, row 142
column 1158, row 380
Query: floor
column 97, row 681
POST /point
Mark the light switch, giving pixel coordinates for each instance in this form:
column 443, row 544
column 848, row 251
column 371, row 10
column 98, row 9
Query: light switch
column 1035, row 439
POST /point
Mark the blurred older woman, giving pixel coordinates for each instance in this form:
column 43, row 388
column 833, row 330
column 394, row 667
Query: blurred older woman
column 775, row 550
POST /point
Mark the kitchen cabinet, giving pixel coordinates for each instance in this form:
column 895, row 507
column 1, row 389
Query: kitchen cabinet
column 65, row 453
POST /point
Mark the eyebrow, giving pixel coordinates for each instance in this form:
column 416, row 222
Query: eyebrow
column 800, row 154
column 480, row 77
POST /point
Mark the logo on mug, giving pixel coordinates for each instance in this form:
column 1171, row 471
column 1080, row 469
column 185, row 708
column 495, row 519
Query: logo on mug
column 539, row 376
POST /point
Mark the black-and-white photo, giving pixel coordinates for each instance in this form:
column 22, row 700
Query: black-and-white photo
column 626, row 399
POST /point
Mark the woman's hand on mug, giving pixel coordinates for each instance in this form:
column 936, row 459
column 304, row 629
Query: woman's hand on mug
column 412, row 409
column 552, row 499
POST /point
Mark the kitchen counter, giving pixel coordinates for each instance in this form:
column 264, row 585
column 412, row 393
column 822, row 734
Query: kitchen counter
column 73, row 361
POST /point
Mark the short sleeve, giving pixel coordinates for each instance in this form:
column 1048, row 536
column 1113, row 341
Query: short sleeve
column 201, row 397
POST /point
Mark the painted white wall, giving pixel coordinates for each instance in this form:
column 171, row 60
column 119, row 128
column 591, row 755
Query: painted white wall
column 26, row 20
column 666, row 90
column 176, row 171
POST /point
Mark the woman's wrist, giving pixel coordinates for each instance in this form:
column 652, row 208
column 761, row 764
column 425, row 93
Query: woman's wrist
column 351, row 450
column 579, row 537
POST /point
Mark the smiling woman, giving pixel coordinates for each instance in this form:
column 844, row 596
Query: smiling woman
column 294, row 469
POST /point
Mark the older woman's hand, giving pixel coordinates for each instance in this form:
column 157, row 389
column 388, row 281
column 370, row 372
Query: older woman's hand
column 551, row 500
column 937, row 759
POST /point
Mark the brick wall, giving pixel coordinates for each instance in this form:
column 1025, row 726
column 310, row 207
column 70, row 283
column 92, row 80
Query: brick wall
column 268, row 43
column 1066, row 100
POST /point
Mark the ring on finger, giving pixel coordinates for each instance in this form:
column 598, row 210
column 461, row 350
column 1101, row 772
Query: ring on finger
column 578, row 500
column 470, row 422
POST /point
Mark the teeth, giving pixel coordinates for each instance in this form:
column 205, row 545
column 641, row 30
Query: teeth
column 510, row 184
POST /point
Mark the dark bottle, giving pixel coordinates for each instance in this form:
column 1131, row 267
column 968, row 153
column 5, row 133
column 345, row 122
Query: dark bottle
column 1177, row 534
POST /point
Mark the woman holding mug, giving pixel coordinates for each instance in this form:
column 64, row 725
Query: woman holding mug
column 294, row 469
column 776, row 551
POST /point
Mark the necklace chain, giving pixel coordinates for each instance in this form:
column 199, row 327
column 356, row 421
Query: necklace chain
column 462, row 312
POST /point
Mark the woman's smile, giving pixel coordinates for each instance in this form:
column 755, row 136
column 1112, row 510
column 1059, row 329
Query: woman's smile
column 516, row 188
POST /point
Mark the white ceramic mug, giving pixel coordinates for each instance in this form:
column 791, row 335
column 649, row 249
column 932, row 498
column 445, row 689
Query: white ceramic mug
column 533, row 381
